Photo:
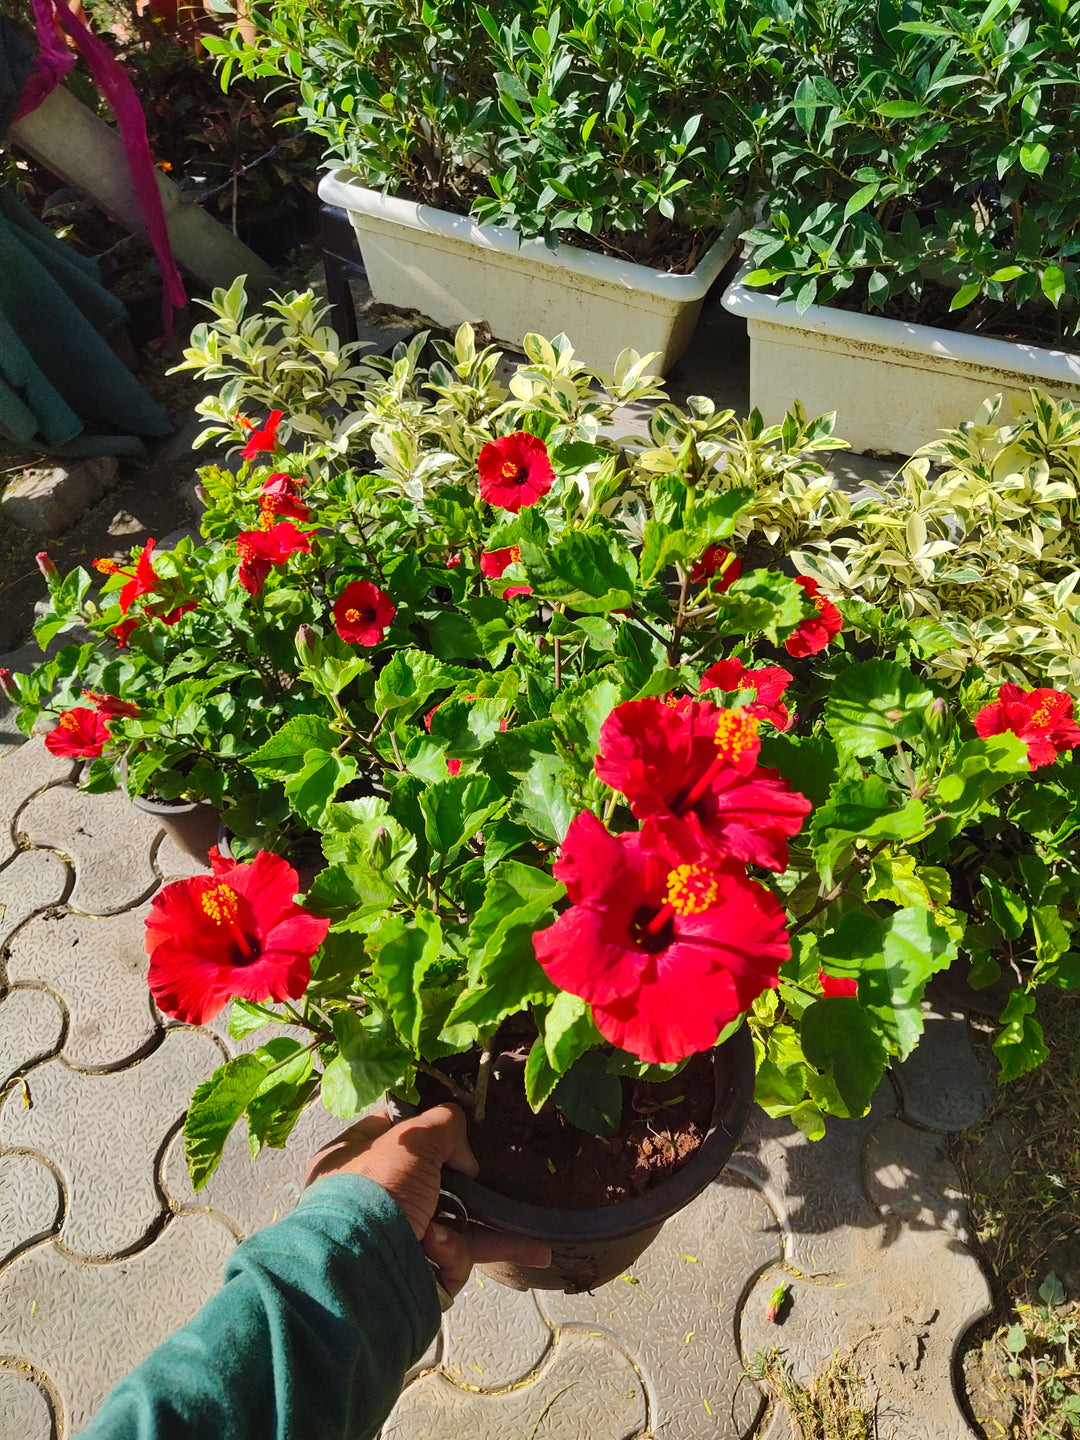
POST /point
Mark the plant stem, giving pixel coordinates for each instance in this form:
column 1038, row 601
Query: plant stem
column 467, row 1097
column 859, row 863
column 483, row 1078
column 680, row 618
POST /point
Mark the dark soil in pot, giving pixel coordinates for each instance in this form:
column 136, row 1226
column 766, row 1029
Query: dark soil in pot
column 599, row 1202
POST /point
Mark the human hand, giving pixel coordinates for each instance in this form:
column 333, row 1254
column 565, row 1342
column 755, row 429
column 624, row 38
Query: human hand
column 406, row 1160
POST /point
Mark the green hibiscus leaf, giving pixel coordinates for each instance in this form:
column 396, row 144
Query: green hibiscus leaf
column 1020, row 1046
column 978, row 770
column 762, row 603
column 277, row 1104
column 873, row 705
column 311, row 789
column 456, row 809
column 809, row 763
column 861, row 809
column 216, row 1106
column 371, row 1061
column 839, row 1037
column 892, row 959
column 591, row 572
column 402, row 953
column 590, row 1096
column 286, row 752
column 541, row 801
column 410, row 677
column 504, row 974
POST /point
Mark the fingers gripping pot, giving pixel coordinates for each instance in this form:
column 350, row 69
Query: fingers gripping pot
column 591, row 1247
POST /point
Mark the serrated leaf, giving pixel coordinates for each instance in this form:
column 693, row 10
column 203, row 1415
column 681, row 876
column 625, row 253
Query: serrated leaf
column 402, row 952
column 590, row 1096
column 541, row 801
column 216, row 1106
column 311, row 789
column 861, row 809
column 839, row 1039
column 284, row 754
column 875, row 704
column 892, row 959
column 371, row 1061
column 1020, row 1045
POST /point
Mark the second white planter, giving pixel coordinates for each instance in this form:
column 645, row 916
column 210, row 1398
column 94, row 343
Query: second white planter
column 451, row 270
column 894, row 386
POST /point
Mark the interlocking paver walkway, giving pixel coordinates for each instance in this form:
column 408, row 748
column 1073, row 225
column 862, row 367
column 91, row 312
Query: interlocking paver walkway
column 105, row 1248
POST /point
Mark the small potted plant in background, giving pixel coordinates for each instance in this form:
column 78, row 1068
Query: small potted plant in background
column 574, row 168
column 919, row 250
column 598, row 821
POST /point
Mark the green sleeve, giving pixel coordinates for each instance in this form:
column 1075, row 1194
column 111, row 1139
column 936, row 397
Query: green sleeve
column 309, row 1338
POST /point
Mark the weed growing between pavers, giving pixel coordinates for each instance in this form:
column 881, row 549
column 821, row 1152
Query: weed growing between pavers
column 1021, row 1170
column 834, row 1406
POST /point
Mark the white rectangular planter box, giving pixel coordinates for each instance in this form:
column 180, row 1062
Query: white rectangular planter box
column 894, row 386
column 451, row 270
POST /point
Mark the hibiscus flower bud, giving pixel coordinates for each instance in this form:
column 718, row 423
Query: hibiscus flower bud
column 201, row 495
column 45, row 565
column 306, row 639
column 937, row 717
column 776, row 1301
column 381, row 849
column 7, row 684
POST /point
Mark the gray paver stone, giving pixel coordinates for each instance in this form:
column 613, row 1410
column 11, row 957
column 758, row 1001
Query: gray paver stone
column 86, row 1326
column 675, row 1314
column 253, row 1193
column 108, row 840
column 943, row 1083
column 99, row 967
column 174, row 863
column 24, row 1410
column 493, row 1335
column 50, row 499
column 911, row 1179
column 23, row 773
column 104, row 1134
column 815, row 1184
column 31, row 1024
column 33, row 881
column 586, row 1389
column 901, row 1311
column 29, row 1202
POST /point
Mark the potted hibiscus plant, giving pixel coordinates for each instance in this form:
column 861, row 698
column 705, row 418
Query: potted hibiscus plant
column 541, row 801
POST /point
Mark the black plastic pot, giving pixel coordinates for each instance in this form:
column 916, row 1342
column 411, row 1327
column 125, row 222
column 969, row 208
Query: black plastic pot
column 591, row 1247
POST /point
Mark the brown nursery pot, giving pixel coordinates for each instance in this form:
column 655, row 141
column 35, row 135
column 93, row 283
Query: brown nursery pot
column 591, row 1247
column 192, row 825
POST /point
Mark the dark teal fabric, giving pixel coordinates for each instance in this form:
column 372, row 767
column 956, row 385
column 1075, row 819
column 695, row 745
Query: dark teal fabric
column 309, row 1337
column 62, row 388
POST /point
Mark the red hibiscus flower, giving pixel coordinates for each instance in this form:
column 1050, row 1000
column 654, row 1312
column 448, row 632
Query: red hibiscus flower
column 689, row 770
column 80, row 733
column 834, row 986
column 278, row 497
column 1042, row 718
column 717, row 558
column 768, row 683
column 110, row 706
column 260, row 550
column 495, row 563
column 144, row 581
column 512, row 591
column 666, row 956
column 453, row 560
column 814, row 634
column 172, row 616
column 515, row 471
column 264, row 439
column 234, row 932
column 123, row 632
column 362, row 613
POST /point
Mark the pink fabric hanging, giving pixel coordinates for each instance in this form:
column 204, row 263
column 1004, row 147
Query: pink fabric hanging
column 54, row 61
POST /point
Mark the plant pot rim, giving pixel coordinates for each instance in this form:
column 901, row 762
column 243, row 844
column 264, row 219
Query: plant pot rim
column 341, row 187
column 1060, row 367
column 733, row 1062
